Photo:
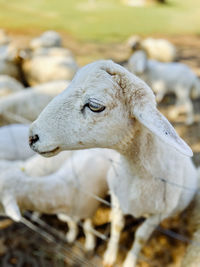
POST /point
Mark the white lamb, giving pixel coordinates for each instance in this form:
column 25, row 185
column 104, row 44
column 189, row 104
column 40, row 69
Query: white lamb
column 4, row 38
column 9, row 68
column 112, row 108
column 9, row 85
column 174, row 77
column 26, row 105
column 14, row 142
column 69, row 191
column 158, row 49
column 8, row 60
column 59, row 64
column 46, row 40
column 53, row 51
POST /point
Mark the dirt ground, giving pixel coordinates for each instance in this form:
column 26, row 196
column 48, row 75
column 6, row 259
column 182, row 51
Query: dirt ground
column 44, row 244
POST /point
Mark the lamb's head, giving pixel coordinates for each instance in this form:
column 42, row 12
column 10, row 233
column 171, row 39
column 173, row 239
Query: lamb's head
column 103, row 107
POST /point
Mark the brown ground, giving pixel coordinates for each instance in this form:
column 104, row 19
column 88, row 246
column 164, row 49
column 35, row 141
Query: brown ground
column 43, row 246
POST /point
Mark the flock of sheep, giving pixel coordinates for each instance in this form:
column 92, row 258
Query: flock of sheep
column 115, row 138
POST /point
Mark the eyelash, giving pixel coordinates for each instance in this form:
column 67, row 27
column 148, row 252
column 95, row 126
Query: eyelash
column 89, row 105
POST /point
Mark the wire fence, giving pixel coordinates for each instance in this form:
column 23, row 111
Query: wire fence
column 52, row 235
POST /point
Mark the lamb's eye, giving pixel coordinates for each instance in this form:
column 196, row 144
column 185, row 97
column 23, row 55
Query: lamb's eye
column 95, row 107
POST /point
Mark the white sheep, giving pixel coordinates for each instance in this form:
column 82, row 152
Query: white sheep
column 8, row 60
column 14, row 148
column 52, row 51
column 9, row 68
column 163, row 78
column 40, row 166
column 59, row 64
column 4, row 38
column 46, row 40
column 9, row 85
column 158, row 49
column 107, row 106
column 69, row 191
column 14, row 142
column 26, row 105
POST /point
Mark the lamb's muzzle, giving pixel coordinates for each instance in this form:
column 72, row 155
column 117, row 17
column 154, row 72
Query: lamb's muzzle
column 33, row 139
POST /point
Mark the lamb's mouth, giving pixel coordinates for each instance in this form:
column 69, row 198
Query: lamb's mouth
column 50, row 152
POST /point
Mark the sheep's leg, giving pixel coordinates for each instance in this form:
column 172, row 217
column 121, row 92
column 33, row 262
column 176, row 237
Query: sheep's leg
column 141, row 236
column 72, row 225
column 189, row 112
column 90, row 239
column 11, row 207
column 183, row 104
column 117, row 224
column 186, row 107
column 160, row 90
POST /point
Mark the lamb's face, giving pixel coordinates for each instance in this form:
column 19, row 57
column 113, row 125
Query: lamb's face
column 89, row 113
column 101, row 108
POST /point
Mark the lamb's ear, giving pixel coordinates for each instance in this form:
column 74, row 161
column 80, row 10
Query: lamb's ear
column 152, row 119
column 143, row 108
column 138, row 62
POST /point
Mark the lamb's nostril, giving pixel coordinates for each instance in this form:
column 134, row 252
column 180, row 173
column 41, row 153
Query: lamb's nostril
column 33, row 139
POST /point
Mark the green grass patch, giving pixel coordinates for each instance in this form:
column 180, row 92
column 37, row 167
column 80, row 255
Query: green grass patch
column 101, row 20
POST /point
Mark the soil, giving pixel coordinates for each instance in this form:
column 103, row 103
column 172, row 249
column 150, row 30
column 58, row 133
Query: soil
column 44, row 244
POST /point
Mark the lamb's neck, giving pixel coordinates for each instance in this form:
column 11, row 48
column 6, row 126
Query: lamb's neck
column 141, row 153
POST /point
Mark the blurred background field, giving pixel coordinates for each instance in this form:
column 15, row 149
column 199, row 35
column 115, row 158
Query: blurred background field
column 101, row 20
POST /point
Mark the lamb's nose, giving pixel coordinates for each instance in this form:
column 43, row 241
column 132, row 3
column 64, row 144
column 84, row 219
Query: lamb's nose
column 33, row 139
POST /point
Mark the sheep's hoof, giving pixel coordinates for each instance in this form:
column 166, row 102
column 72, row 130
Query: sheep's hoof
column 107, row 264
column 108, row 260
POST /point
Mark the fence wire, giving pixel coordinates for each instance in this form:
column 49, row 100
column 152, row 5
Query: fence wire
column 52, row 235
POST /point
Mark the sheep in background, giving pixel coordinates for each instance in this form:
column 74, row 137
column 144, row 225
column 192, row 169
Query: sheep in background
column 9, row 85
column 69, row 191
column 26, row 105
column 44, row 68
column 4, row 38
column 158, row 49
column 46, row 51
column 40, row 166
column 163, row 78
column 46, row 40
column 8, row 58
column 53, row 51
column 112, row 108
column 59, row 62
column 14, row 142
column 8, row 67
